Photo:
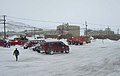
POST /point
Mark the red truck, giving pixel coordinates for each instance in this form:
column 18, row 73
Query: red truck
column 18, row 41
column 75, row 40
column 55, row 46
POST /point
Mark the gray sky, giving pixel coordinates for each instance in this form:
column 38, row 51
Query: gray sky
column 105, row 12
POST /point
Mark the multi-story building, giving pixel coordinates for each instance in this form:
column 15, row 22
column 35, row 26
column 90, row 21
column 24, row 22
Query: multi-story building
column 63, row 31
column 69, row 29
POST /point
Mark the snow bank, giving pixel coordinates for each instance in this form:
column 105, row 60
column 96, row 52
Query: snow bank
column 99, row 58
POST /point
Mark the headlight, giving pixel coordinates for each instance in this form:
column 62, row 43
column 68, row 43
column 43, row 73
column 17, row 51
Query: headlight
column 16, row 41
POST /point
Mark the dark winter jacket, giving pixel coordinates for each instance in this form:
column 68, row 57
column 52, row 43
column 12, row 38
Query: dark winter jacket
column 16, row 52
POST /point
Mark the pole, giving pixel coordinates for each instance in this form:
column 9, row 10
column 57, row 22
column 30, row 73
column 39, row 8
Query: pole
column 108, row 31
column 34, row 32
column 62, row 30
column 86, row 27
column 4, row 26
column 118, row 31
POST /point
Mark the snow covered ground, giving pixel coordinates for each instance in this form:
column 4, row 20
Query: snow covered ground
column 99, row 58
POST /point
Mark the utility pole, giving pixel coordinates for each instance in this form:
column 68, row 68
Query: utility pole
column 4, row 26
column 34, row 32
column 62, row 29
column 118, row 31
column 108, row 31
column 86, row 27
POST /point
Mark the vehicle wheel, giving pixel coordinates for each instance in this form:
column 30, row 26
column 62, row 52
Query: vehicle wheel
column 62, row 51
column 76, row 43
column 46, row 52
column 25, row 47
column 38, row 51
column 67, row 51
column 51, row 52
column 73, row 43
column 13, row 44
column 4, row 45
column 81, row 43
column 8, row 46
column 34, row 49
column 69, row 43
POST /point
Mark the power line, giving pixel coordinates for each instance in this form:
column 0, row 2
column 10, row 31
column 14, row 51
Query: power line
column 63, row 22
column 46, row 21
column 34, row 20
column 19, row 26
column 28, row 26
column 57, row 21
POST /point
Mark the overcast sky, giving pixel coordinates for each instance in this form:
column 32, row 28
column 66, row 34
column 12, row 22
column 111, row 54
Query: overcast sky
column 105, row 12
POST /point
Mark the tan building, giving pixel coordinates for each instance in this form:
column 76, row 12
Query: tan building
column 69, row 29
column 105, row 32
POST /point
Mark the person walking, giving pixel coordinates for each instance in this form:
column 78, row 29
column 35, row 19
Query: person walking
column 16, row 53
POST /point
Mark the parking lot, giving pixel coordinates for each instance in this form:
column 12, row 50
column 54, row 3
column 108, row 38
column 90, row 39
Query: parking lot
column 99, row 58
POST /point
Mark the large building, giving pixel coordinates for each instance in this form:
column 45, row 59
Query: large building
column 69, row 29
column 105, row 32
column 63, row 31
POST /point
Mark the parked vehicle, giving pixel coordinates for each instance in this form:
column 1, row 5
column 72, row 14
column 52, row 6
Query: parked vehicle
column 37, row 47
column 52, row 47
column 4, row 43
column 18, row 41
column 75, row 40
column 32, row 43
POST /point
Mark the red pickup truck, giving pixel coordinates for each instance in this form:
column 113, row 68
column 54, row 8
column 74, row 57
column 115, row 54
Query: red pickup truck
column 18, row 41
column 75, row 40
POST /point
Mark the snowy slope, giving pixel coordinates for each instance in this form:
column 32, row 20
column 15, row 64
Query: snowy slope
column 99, row 58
